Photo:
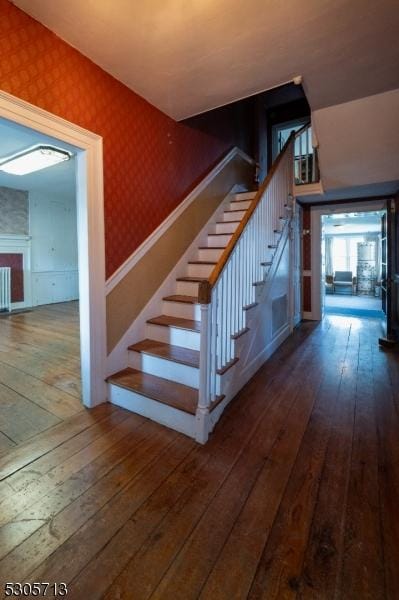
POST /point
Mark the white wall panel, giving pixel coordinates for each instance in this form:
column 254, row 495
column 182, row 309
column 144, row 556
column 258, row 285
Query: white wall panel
column 53, row 228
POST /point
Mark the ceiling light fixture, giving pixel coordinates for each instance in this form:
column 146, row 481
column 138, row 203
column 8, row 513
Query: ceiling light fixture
column 34, row 159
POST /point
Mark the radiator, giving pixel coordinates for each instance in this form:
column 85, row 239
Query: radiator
column 5, row 288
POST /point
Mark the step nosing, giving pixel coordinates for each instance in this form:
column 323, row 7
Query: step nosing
column 139, row 347
column 177, row 322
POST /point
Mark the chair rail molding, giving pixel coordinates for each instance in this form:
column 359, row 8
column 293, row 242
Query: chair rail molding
column 90, row 219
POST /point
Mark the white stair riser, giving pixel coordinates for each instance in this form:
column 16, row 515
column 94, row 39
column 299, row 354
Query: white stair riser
column 218, row 240
column 245, row 196
column 227, row 227
column 199, row 270
column 157, row 411
column 210, row 254
column 173, row 336
column 233, row 216
column 187, row 288
column 182, row 310
column 240, row 205
column 167, row 369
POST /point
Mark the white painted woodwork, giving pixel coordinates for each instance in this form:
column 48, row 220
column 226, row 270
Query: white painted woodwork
column 240, row 205
column 225, row 227
column 218, row 240
column 174, row 336
column 157, row 411
column 182, row 310
column 54, row 247
column 212, row 254
column 167, row 369
column 234, row 214
column 90, row 223
column 199, row 270
column 227, row 331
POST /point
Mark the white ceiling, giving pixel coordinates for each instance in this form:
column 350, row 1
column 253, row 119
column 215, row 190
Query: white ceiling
column 189, row 57
column 352, row 223
column 58, row 179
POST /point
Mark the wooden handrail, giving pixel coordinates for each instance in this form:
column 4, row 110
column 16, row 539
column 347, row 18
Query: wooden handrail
column 205, row 287
column 302, row 129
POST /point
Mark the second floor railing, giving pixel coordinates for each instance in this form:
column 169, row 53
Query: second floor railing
column 306, row 164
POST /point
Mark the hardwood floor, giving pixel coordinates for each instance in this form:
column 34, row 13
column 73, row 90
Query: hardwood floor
column 295, row 495
column 39, row 371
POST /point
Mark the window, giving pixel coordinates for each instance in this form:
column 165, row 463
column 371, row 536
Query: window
column 345, row 253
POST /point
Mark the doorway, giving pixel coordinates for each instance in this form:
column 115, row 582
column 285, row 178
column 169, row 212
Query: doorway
column 353, row 263
column 40, row 380
column 90, row 228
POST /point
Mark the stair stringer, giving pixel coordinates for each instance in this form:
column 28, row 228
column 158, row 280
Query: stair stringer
column 264, row 335
column 118, row 358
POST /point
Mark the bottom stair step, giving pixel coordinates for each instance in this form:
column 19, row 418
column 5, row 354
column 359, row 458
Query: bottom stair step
column 173, row 394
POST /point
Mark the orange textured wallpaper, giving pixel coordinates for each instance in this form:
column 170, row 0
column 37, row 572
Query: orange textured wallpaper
column 150, row 161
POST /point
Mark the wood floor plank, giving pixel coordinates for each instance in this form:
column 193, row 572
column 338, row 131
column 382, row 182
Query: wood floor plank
column 281, row 562
column 323, row 556
column 26, row 453
column 294, row 496
column 363, row 562
column 30, row 494
column 60, row 515
column 130, row 537
column 21, row 419
column 168, row 539
column 242, row 550
column 57, row 402
column 385, row 367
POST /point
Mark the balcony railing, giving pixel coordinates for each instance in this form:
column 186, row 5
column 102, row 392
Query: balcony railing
column 306, row 164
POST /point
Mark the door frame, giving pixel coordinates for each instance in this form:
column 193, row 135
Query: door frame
column 91, row 243
column 316, row 213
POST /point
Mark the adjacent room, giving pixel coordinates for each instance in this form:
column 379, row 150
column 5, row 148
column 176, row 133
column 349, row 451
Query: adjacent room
column 39, row 315
column 354, row 264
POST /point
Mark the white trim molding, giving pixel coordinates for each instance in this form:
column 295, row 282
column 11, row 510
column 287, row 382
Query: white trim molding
column 134, row 258
column 20, row 244
column 316, row 214
column 90, row 217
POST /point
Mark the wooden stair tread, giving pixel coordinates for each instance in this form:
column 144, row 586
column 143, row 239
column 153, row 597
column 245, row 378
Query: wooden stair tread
column 181, row 298
column 193, row 279
column 162, row 390
column 167, row 321
column 201, row 262
column 167, row 392
column 222, row 233
column 177, row 354
column 228, row 366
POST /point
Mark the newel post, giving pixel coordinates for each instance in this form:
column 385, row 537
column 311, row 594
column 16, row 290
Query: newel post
column 204, row 398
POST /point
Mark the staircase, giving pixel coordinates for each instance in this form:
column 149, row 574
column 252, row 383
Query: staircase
column 174, row 376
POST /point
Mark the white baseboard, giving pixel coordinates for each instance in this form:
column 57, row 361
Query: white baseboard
column 308, row 316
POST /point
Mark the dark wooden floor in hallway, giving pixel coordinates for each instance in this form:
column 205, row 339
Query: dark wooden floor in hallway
column 295, row 496
column 39, row 370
